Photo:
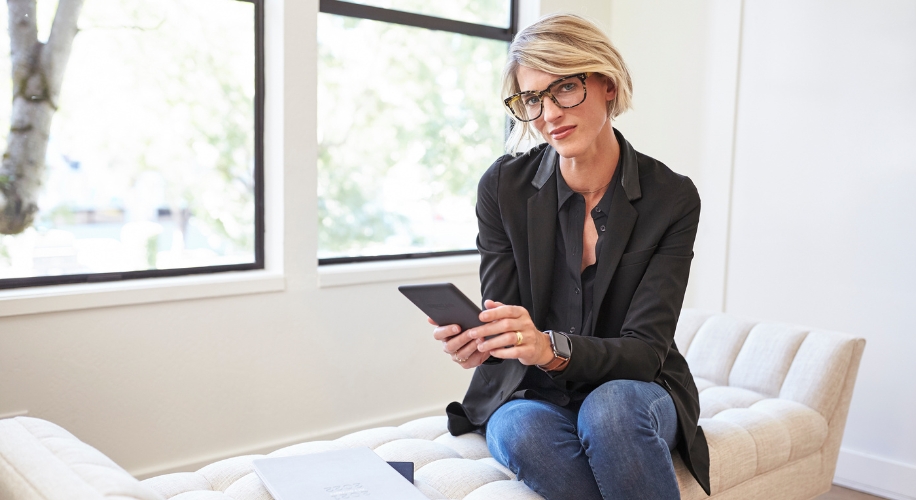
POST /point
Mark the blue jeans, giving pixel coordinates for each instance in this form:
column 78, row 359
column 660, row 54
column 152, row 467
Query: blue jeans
column 616, row 445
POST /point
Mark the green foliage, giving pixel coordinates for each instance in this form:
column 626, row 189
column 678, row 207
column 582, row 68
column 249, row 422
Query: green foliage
column 408, row 120
column 177, row 99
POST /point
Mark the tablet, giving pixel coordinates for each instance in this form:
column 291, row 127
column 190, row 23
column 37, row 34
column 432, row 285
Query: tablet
column 444, row 303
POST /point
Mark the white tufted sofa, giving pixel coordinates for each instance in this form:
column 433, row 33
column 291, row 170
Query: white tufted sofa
column 774, row 400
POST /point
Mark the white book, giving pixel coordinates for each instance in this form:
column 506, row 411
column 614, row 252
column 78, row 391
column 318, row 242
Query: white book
column 334, row 475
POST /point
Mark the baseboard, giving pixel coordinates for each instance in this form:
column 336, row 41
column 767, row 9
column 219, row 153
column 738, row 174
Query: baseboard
column 875, row 475
column 195, row 463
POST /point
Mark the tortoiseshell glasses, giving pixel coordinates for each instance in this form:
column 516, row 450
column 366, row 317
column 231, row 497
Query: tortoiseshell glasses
column 567, row 92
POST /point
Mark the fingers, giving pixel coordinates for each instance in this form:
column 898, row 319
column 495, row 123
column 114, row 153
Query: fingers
column 501, row 326
column 502, row 341
column 446, row 332
column 473, row 361
column 530, row 347
column 458, row 343
column 465, row 352
column 497, row 310
column 490, row 304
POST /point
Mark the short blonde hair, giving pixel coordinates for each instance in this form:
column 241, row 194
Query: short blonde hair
column 564, row 44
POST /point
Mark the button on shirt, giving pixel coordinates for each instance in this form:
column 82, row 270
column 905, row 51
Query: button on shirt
column 570, row 308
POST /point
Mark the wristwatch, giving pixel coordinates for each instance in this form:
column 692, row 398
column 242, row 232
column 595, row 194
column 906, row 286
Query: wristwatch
column 562, row 351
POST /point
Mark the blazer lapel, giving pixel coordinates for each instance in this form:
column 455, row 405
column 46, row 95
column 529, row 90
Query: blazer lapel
column 542, row 229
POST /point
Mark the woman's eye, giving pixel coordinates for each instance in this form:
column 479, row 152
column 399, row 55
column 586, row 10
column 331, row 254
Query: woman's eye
column 531, row 100
column 568, row 87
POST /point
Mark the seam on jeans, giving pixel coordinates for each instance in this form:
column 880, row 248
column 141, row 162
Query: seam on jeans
column 652, row 407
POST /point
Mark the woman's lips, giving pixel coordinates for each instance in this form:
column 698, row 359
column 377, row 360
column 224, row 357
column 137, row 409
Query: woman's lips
column 561, row 132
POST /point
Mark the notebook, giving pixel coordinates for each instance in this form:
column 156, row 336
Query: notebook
column 334, row 475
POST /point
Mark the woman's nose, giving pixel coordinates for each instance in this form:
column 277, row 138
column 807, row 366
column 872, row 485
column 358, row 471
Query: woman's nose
column 551, row 110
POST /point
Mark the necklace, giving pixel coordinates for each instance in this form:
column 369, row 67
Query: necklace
column 596, row 190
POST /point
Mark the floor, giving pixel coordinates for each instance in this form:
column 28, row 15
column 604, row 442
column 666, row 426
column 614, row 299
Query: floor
column 840, row 493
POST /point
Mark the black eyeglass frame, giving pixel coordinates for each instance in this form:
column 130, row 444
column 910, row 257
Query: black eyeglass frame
column 541, row 93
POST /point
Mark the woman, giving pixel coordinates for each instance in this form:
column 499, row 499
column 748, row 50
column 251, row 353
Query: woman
column 585, row 250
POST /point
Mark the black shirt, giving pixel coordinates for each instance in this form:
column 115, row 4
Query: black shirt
column 571, row 298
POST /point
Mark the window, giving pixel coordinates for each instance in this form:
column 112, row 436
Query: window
column 152, row 164
column 409, row 117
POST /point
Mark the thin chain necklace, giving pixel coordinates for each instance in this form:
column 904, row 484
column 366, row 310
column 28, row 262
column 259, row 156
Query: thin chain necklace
column 596, row 190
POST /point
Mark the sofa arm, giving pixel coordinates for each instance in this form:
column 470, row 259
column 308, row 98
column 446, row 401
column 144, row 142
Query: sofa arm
column 42, row 461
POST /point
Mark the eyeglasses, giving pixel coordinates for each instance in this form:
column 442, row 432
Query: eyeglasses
column 567, row 92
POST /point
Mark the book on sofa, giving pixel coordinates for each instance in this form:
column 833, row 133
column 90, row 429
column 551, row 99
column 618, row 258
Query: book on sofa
column 339, row 474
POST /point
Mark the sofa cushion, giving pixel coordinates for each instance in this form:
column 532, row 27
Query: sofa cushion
column 458, row 477
column 39, row 459
column 716, row 399
column 715, row 347
column 745, row 442
column 688, row 323
column 765, row 358
column 818, row 371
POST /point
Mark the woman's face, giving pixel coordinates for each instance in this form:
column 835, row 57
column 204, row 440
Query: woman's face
column 573, row 132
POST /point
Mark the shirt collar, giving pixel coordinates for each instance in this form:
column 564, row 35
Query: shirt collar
column 627, row 165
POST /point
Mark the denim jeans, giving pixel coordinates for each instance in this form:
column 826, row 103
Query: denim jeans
column 615, row 445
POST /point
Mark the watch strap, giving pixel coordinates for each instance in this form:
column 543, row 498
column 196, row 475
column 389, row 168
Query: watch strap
column 558, row 362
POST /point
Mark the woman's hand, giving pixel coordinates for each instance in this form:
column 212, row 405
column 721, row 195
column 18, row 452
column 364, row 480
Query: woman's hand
column 458, row 345
column 516, row 336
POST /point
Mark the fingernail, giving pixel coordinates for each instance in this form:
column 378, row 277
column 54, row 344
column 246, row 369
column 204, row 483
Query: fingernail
column 472, row 334
column 456, row 329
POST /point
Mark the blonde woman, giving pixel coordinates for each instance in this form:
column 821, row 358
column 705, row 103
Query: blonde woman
column 585, row 248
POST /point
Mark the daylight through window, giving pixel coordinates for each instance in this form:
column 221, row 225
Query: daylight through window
column 151, row 161
column 409, row 117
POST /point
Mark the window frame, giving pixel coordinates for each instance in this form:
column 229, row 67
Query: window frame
column 259, row 259
column 360, row 11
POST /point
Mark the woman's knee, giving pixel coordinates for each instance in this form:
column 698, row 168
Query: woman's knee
column 620, row 407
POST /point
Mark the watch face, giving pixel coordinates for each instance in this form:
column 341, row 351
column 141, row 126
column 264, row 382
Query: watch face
column 560, row 344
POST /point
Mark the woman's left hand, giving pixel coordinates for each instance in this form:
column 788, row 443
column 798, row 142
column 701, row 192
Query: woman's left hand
column 516, row 337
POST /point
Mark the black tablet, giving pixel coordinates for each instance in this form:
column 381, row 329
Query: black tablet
column 444, row 303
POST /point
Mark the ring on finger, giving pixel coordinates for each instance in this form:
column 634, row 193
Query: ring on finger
column 457, row 359
column 518, row 338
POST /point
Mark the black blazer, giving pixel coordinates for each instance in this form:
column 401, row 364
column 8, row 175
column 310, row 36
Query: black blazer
column 638, row 291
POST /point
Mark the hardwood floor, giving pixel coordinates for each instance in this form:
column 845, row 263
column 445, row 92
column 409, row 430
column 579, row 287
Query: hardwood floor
column 840, row 493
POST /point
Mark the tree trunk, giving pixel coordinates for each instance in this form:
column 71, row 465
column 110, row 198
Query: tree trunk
column 38, row 72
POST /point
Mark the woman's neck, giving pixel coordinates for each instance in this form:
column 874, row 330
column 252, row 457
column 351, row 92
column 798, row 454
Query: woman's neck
column 590, row 173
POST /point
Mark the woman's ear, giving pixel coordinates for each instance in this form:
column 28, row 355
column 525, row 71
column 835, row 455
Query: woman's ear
column 610, row 89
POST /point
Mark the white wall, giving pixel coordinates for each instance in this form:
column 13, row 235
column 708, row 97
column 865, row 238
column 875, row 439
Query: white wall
column 795, row 119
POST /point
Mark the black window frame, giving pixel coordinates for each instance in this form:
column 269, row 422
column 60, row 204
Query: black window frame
column 69, row 279
column 360, row 11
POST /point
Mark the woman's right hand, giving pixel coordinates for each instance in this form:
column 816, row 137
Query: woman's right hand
column 462, row 349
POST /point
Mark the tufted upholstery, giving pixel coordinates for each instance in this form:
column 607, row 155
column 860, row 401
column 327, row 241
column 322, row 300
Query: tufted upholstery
column 773, row 403
column 41, row 460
